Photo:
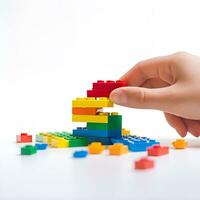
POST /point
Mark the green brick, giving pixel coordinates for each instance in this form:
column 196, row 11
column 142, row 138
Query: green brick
column 97, row 126
column 114, row 123
column 78, row 142
column 28, row 150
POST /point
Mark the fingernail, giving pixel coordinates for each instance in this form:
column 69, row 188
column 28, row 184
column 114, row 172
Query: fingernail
column 194, row 133
column 119, row 97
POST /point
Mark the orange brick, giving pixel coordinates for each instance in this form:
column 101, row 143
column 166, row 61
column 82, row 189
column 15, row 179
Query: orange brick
column 180, row 144
column 84, row 111
column 118, row 149
column 96, row 148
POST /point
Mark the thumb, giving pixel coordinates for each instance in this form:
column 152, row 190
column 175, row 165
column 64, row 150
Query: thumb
column 138, row 97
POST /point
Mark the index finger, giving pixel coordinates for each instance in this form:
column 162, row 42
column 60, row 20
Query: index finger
column 159, row 67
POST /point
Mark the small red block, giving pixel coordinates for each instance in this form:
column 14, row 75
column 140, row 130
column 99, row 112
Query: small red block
column 104, row 88
column 144, row 163
column 158, row 150
column 109, row 84
column 24, row 138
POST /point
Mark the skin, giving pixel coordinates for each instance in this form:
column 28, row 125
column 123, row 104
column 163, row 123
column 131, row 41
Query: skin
column 170, row 84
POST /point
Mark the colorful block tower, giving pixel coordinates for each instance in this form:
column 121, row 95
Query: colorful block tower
column 101, row 126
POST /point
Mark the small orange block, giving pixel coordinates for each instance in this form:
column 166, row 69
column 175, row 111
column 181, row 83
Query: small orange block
column 180, row 144
column 84, row 111
column 96, row 148
column 118, row 149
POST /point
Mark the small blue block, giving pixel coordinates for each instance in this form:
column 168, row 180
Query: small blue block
column 80, row 154
column 41, row 146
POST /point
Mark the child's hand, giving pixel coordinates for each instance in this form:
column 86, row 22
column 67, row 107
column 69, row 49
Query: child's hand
column 170, row 84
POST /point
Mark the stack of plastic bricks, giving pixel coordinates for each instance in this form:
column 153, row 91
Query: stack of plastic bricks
column 100, row 126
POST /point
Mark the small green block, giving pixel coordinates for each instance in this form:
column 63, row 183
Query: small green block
column 28, row 150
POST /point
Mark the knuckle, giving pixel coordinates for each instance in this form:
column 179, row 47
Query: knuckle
column 180, row 54
column 179, row 58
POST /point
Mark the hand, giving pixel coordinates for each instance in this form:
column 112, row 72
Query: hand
column 170, row 84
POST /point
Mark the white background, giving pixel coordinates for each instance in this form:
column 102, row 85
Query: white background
column 52, row 51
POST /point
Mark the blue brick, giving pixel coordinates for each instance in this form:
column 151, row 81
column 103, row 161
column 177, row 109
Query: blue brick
column 80, row 154
column 135, row 143
column 138, row 146
column 41, row 146
column 84, row 132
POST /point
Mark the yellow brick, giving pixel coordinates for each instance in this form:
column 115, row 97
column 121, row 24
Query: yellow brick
column 90, row 118
column 46, row 139
column 59, row 142
column 91, row 102
column 49, row 139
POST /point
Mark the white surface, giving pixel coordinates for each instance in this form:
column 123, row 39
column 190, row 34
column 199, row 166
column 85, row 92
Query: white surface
column 50, row 52
column 54, row 174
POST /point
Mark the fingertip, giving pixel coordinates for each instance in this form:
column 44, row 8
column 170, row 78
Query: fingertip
column 112, row 95
column 193, row 132
column 182, row 130
column 182, row 133
column 177, row 123
column 118, row 96
column 193, row 127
